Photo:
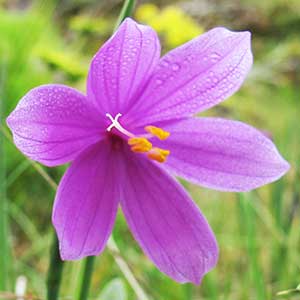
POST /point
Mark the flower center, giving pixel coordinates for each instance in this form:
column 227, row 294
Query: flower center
column 140, row 143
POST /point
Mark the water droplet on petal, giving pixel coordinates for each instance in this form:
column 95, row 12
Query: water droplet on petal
column 215, row 57
column 175, row 67
column 165, row 63
column 158, row 81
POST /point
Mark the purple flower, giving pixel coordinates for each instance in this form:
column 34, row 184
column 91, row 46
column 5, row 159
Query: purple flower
column 132, row 131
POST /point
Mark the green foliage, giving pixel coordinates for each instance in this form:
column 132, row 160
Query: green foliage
column 20, row 31
column 64, row 61
column 87, row 25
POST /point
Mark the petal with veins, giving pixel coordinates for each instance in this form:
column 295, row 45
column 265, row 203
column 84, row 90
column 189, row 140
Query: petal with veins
column 121, row 67
column 52, row 124
column 86, row 203
column 195, row 76
column 222, row 154
column 166, row 223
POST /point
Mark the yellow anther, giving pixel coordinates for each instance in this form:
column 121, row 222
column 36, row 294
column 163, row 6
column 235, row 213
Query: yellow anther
column 139, row 144
column 158, row 154
column 158, row 132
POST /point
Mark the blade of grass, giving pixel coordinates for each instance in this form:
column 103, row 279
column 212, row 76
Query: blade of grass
column 267, row 219
column 24, row 222
column 247, row 221
column 14, row 175
column 278, row 263
column 38, row 248
column 4, row 231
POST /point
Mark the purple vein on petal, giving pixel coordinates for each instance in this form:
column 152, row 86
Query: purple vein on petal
column 38, row 142
column 81, row 206
column 119, row 68
column 140, row 90
column 61, row 156
column 105, row 90
column 136, row 64
column 74, row 125
column 96, row 210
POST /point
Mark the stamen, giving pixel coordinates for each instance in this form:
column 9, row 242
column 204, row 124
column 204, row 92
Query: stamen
column 139, row 144
column 158, row 154
column 158, row 132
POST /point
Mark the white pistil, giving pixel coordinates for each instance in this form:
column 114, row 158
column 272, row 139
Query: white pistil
column 115, row 123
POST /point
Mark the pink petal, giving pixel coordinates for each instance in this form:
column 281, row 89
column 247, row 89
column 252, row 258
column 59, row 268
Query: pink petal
column 195, row 76
column 53, row 123
column 86, row 203
column 121, row 67
column 166, row 223
column 222, row 154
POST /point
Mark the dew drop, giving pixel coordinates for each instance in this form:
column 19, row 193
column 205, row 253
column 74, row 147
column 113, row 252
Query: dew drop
column 215, row 57
column 175, row 67
column 165, row 63
column 158, row 81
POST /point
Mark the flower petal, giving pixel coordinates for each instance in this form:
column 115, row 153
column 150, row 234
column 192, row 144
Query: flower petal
column 195, row 76
column 121, row 67
column 86, row 203
column 166, row 223
column 222, row 154
column 53, row 123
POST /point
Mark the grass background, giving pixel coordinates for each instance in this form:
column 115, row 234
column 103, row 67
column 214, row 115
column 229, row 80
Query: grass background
column 258, row 232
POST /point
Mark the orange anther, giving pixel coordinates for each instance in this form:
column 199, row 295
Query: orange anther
column 158, row 154
column 139, row 144
column 158, row 132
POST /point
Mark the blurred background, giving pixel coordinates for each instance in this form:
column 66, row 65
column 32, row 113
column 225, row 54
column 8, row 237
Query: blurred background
column 258, row 232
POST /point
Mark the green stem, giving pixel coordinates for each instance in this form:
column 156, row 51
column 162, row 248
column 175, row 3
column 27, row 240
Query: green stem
column 126, row 11
column 54, row 271
column 4, row 225
column 86, row 278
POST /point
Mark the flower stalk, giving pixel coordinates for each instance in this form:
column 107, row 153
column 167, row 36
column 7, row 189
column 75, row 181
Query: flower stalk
column 126, row 11
column 54, row 271
column 86, row 277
